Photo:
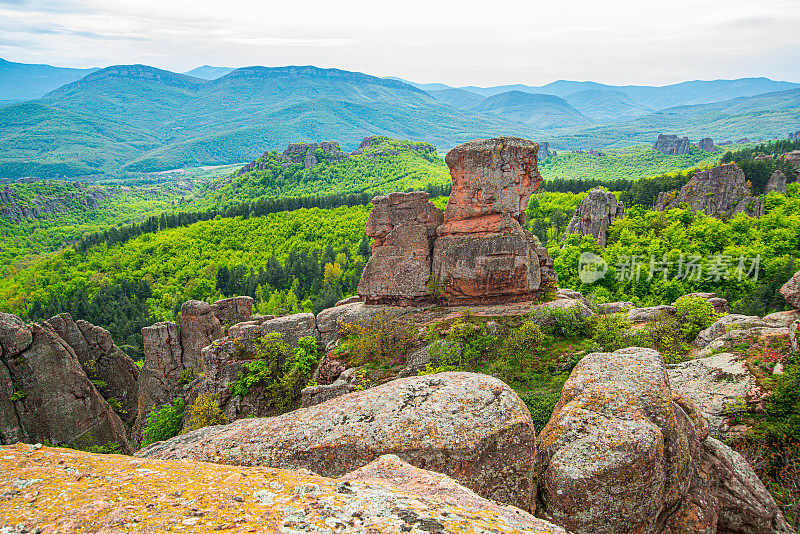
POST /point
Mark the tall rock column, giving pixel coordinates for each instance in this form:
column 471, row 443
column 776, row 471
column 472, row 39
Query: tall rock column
column 482, row 253
column 199, row 327
column 403, row 226
column 595, row 214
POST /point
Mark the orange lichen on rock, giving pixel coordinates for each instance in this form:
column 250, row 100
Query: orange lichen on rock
column 67, row 491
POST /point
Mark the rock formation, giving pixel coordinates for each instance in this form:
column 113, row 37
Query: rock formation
column 199, row 327
column 233, row 310
column 776, row 183
column 671, row 145
column 46, row 392
column 706, row 144
column 595, row 214
column 41, row 206
column 482, row 253
column 104, row 493
column 790, row 291
column 116, row 375
column 468, row 426
column 403, row 226
column 544, row 150
column 623, row 453
column 719, row 191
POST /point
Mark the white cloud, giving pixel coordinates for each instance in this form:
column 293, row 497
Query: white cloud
column 465, row 42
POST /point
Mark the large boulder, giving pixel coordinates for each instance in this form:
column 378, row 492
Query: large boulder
column 10, row 429
column 719, row 191
column 725, row 324
column 15, row 335
column 482, row 253
column 59, row 403
column 706, row 144
column 233, row 310
column 790, row 291
column 329, row 321
column 161, row 371
column 403, row 226
column 468, row 426
column 109, row 493
column 625, row 453
column 199, row 327
column 714, row 384
column 776, row 183
column 595, row 214
column 291, row 327
column 103, row 361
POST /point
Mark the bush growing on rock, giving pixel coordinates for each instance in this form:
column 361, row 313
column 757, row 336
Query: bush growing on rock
column 163, row 422
column 205, row 411
column 569, row 322
column 523, row 345
column 379, row 338
column 695, row 314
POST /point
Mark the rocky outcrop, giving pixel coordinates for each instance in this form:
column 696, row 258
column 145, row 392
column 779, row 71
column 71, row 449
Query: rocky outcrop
column 776, row 183
column 614, row 307
column 403, row 226
column 672, row 145
column 650, row 313
column 233, row 310
column 595, row 214
column 623, row 453
column 706, row 144
column 77, row 197
column 328, row 321
column 116, row 375
column 387, row 495
column 199, row 327
column 790, row 291
column 468, row 426
column 160, row 373
column 51, row 397
column 482, row 253
column 719, row 191
column 714, row 384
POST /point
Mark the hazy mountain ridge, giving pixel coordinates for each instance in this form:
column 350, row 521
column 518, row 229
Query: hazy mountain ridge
column 24, row 81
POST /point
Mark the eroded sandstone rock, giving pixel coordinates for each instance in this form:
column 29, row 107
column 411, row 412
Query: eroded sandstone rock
column 472, row 427
column 482, row 253
column 595, row 214
column 718, row 191
column 158, row 378
column 790, row 291
column 776, row 183
column 199, row 327
column 706, row 144
column 403, row 226
column 233, row 310
column 672, row 145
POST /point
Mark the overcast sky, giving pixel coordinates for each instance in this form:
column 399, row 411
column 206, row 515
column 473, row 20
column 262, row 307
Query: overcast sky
column 458, row 43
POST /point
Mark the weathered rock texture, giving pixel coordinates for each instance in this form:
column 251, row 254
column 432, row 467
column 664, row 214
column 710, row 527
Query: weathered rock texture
column 718, row 191
column 199, row 327
column 672, row 145
column 790, row 291
column 403, row 226
column 623, row 453
column 468, row 426
column 233, row 310
column 595, row 214
column 776, row 183
column 54, row 400
column 158, row 378
column 706, row 144
column 102, row 361
column 482, row 253
column 387, row 496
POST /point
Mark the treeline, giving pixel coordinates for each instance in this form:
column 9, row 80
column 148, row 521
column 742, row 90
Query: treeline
column 307, row 279
column 774, row 148
column 120, row 308
column 256, row 208
column 759, row 171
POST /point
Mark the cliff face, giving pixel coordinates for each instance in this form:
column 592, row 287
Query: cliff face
column 39, row 207
column 672, row 145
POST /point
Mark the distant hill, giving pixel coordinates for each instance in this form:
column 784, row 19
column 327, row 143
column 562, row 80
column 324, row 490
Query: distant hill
column 542, row 111
column 458, row 98
column 606, row 106
column 22, row 81
column 207, row 72
column 143, row 119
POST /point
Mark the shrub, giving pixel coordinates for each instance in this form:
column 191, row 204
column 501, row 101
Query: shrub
column 280, row 372
column 695, row 314
column 186, row 377
column 541, row 406
column 204, row 412
column 445, row 356
column 610, row 332
column 163, row 422
column 381, row 338
column 553, row 320
column 666, row 336
column 523, row 344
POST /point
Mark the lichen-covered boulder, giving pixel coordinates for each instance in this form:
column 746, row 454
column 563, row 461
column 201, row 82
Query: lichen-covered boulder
column 614, row 307
column 233, row 310
column 714, row 384
column 468, row 426
column 595, row 214
column 619, row 454
column 328, row 321
column 403, row 226
column 15, row 335
column 723, row 325
column 776, row 183
column 790, row 291
column 112, row 491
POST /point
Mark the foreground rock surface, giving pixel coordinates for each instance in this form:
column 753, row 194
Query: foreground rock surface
column 790, row 291
column 41, row 490
column 468, row 426
column 623, row 453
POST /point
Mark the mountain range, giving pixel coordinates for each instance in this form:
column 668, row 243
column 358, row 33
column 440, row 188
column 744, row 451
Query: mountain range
column 139, row 118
